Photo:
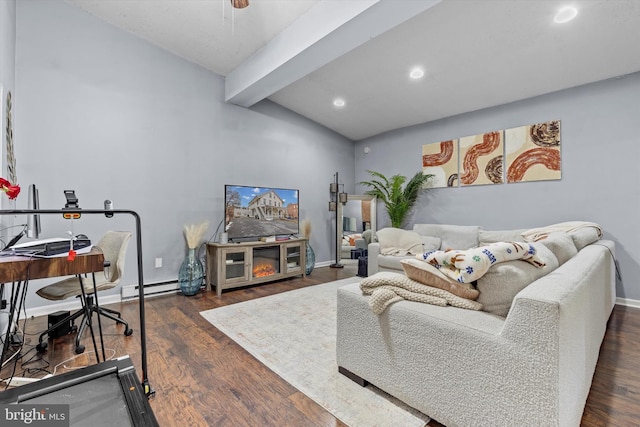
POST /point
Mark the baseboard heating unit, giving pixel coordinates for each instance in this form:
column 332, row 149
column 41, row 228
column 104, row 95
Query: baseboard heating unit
column 151, row 289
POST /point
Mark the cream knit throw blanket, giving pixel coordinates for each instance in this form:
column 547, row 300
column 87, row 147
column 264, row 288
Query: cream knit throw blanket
column 471, row 264
column 535, row 234
column 387, row 287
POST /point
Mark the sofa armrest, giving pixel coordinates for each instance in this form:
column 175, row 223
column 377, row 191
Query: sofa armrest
column 582, row 291
column 566, row 312
column 372, row 258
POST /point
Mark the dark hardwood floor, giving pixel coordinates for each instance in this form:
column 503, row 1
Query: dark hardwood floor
column 202, row 378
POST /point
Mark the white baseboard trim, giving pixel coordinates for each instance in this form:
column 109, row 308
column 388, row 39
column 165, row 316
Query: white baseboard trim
column 628, row 302
column 323, row 264
column 150, row 290
column 68, row 305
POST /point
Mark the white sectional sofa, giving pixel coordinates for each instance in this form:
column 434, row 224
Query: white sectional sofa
column 532, row 367
column 445, row 236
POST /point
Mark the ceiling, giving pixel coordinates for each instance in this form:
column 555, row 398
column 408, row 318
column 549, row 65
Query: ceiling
column 302, row 54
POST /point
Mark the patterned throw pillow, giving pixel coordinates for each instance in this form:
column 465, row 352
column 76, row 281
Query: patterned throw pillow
column 427, row 274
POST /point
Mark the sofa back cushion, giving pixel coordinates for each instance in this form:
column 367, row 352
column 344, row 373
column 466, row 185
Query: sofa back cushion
column 502, row 282
column 487, row 237
column 452, row 236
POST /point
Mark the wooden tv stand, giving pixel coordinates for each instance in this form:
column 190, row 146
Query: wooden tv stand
column 248, row 263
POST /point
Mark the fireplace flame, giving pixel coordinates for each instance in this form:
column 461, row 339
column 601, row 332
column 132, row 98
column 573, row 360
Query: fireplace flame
column 263, row 270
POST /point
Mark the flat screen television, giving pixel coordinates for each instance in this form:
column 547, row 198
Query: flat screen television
column 254, row 212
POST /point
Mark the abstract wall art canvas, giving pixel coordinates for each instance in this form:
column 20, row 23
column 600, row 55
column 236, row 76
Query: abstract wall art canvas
column 481, row 159
column 533, row 152
column 441, row 160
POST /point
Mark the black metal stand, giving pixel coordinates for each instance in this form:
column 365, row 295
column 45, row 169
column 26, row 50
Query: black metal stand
column 335, row 199
column 148, row 391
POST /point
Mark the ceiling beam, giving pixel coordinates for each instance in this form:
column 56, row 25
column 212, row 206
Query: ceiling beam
column 326, row 32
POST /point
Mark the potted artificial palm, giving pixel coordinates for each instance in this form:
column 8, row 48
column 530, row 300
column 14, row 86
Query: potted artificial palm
column 398, row 201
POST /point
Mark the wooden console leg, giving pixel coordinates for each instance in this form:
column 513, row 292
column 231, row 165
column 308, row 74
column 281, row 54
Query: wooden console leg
column 353, row 377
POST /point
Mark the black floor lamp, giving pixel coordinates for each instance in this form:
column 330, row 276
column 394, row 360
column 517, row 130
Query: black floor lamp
column 337, row 196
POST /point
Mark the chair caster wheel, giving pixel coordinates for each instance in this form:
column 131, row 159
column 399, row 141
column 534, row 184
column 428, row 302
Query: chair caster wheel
column 42, row 347
column 80, row 349
column 128, row 332
column 74, row 329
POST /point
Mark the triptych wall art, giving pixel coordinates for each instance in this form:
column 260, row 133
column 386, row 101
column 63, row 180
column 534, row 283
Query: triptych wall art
column 525, row 153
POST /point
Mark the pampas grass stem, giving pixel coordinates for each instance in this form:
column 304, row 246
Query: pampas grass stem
column 193, row 234
column 306, row 228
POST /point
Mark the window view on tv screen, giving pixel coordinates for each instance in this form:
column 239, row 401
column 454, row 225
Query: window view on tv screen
column 252, row 212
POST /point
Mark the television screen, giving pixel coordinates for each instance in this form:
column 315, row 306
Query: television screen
column 253, row 212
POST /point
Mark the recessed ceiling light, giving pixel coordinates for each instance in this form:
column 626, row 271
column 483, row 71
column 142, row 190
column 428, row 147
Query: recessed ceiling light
column 416, row 73
column 339, row 102
column 565, row 14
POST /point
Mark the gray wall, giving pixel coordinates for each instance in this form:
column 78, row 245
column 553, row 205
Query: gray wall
column 113, row 117
column 7, row 81
column 600, row 152
column 103, row 112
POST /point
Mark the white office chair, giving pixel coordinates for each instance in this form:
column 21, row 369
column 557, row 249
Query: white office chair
column 114, row 247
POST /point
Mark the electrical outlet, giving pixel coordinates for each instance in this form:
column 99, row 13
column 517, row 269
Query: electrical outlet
column 158, row 262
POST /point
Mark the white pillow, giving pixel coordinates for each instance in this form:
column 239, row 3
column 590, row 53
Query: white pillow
column 585, row 236
column 431, row 243
column 562, row 246
column 427, row 274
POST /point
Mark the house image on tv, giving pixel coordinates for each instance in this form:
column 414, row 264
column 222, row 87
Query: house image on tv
column 267, row 206
column 292, row 211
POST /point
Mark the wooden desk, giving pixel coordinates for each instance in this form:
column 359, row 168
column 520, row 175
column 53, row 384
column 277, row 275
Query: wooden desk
column 19, row 268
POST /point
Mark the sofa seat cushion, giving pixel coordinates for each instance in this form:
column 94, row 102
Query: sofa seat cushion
column 429, row 314
column 453, row 236
column 386, row 288
column 503, row 281
column 392, row 262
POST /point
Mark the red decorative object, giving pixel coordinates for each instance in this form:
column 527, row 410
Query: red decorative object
column 11, row 190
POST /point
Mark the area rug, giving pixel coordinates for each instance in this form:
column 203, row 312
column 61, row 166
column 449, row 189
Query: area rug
column 294, row 334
